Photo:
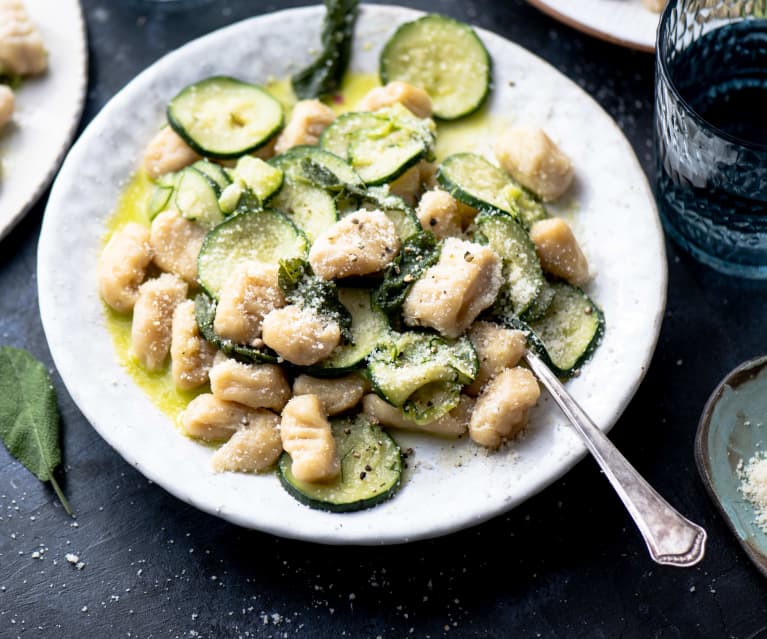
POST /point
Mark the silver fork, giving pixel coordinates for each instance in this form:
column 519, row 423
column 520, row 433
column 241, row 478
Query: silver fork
column 671, row 538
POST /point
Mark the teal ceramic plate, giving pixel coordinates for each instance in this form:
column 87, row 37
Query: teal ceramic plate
column 733, row 427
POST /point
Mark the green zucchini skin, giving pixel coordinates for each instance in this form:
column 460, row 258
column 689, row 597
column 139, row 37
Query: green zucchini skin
column 525, row 290
column 473, row 180
column 212, row 139
column 413, row 49
column 263, row 235
column 574, row 314
column 369, row 327
column 356, row 488
column 381, row 145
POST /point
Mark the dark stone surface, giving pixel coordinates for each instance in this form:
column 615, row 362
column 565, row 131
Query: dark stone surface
column 568, row 563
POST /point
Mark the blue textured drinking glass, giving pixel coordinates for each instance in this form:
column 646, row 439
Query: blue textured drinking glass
column 711, row 131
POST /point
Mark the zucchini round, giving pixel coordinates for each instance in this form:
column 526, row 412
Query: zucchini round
column 417, row 52
column 264, row 236
column 473, row 180
column 221, row 117
column 197, row 198
column 371, row 470
column 369, row 326
column 570, row 330
column 525, row 291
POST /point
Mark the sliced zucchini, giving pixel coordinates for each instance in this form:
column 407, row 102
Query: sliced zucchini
column 473, row 180
column 197, row 198
column 318, row 167
column 432, row 401
column 418, row 52
column 470, row 178
column 214, row 171
column 337, row 137
column 221, row 117
column 524, row 292
column 570, row 330
column 263, row 236
column 311, row 208
column 413, row 360
column 158, row 201
column 369, row 327
column 371, row 469
column 383, row 158
column 380, row 146
column 260, row 177
column 205, row 314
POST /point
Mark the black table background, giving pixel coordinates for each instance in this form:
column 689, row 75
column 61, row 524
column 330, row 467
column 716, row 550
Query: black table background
column 567, row 563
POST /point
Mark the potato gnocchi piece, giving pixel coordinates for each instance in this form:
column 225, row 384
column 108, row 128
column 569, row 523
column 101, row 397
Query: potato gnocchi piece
column 7, row 104
column 428, row 173
column 449, row 295
column 337, row 395
column 254, row 448
column 454, row 424
column 361, row 243
column 122, row 266
column 408, row 185
column 438, row 212
column 190, row 355
column 176, row 244
column 151, row 330
column 254, row 385
column 307, row 437
column 22, row 51
column 415, row 100
column 559, row 251
column 300, row 335
column 654, row 5
column 531, row 158
column 497, row 348
column 307, row 122
column 166, row 153
column 248, row 295
column 501, row 409
column 213, row 420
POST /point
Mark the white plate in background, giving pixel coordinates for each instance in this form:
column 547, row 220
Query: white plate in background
column 48, row 109
column 624, row 22
column 449, row 485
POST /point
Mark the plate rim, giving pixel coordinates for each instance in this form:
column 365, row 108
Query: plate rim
column 332, row 536
column 47, row 176
column 606, row 36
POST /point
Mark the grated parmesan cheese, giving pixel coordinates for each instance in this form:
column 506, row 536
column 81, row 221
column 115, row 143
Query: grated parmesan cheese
column 753, row 486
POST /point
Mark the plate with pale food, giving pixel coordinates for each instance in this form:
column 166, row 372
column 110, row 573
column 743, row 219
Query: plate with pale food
column 628, row 23
column 300, row 295
column 43, row 76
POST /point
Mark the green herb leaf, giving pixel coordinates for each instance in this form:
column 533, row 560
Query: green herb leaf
column 302, row 287
column 29, row 417
column 323, row 76
column 417, row 254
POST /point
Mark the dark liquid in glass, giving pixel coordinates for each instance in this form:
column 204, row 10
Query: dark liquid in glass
column 712, row 177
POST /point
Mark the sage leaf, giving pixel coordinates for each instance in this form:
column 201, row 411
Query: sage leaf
column 29, row 416
column 323, row 76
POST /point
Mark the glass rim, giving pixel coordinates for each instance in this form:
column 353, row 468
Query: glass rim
column 661, row 59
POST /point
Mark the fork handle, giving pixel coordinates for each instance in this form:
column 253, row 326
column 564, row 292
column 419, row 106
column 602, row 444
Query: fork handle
column 671, row 538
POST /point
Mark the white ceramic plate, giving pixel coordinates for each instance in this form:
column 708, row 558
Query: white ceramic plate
column 48, row 109
column 624, row 22
column 449, row 485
